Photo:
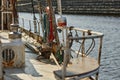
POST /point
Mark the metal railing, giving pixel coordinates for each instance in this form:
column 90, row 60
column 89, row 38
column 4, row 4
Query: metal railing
column 81, row 42
column 30, row 25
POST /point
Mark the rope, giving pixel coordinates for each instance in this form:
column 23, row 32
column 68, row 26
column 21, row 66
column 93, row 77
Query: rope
column 76, row 35
column 91, row 47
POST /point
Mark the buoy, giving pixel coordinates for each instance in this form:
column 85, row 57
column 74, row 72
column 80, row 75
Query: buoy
column 62, row 22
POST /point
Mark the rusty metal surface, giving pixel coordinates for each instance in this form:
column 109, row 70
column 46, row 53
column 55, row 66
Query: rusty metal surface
column 33, row 70
column 12, row 51
column 31, row 34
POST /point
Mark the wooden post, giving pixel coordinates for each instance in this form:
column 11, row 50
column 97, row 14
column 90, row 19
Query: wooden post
column 41, row 18
column 53, row 21
column 38, row 27
column 23, row 22
column 99, row 55
column 59, row 7
column 83, row 45
column 66, row 56
column 100, row 50
column 35, row 24
column 30, row 25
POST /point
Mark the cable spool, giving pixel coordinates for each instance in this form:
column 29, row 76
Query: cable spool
column 62, row 22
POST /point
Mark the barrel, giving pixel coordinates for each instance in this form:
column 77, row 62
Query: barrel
column 62, row 22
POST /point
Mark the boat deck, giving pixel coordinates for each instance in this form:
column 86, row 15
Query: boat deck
column 42, row 69
column 33, row 70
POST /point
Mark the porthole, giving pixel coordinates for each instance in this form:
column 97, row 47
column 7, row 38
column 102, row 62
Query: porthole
column 8, row 55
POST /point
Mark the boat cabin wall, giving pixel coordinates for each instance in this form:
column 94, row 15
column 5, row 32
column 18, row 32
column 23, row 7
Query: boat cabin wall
column 7, row 14
column 6, row 21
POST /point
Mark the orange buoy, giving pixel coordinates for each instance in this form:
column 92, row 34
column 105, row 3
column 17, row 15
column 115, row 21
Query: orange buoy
column 62, row 22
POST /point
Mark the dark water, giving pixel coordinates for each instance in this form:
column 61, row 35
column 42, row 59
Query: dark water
column 110, row 26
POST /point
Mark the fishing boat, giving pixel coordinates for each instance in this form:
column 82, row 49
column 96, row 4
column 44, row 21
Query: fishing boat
column 59, row 53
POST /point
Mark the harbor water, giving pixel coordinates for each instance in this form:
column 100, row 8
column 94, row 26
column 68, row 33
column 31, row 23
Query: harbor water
column 110, row 26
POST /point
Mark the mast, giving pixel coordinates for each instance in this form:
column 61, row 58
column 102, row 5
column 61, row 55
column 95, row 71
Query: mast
column 49, row 2
column 59, row 7
column 40, row 14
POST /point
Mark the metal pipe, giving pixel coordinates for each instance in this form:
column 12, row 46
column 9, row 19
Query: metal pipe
column 23, row 22
column 82, row 30
column 38, row 28
column 30, row 25
column 59, row 7
column 40, row 15
column 83, row 45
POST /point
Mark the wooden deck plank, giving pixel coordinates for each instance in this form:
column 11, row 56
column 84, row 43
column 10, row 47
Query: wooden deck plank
column 83, row 66
column 43, row 70
column 33, row 70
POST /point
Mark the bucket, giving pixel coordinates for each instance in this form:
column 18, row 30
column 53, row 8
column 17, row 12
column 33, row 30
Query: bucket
column 62, row 22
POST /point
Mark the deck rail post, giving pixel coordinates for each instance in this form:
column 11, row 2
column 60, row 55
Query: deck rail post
column 35, row 25
column 83, row 47
column 38, row 27
column 30, row 25
column 99, row 54
column 23, row 22
column 66, row 56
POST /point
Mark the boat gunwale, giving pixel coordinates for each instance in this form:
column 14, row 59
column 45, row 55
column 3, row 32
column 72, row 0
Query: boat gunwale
column 94, row 34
